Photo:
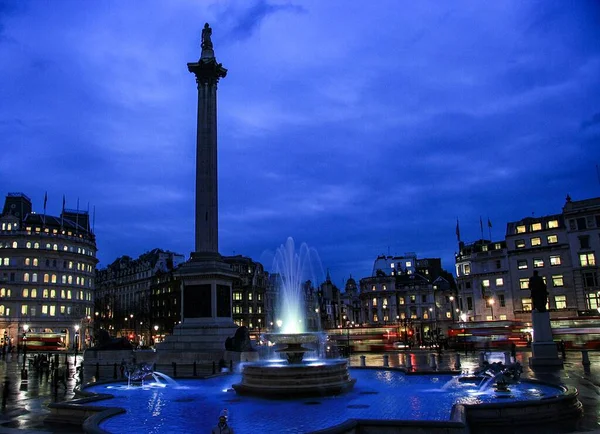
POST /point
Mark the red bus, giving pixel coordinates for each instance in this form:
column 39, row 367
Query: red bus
column 43, row 341
column 577, row 332
column 488, row 334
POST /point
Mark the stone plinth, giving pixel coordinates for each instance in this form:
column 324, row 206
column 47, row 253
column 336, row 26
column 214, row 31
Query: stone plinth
column 545, row 352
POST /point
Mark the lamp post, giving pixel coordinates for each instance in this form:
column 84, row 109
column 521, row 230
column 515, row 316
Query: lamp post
column 259, row 321
column 398, row 327
column 491, row 304
column 155, row 333
column 452, row 307
column 76, row 338
column 25, row 330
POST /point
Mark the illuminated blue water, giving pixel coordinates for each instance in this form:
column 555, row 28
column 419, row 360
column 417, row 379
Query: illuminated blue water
column 194, row 406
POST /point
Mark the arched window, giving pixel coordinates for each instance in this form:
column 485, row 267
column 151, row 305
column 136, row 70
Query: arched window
column 34, row 277
column 54, row 278
column 63, row 293
column 35, row 262
column 55, row 247
column 45, row 293
column 3, row 292
column 1, row 310
column 33, row 293
column 25, row 292
column 48, row 246
column 26, row 277
column 46, row 278
column 14, row 244
column 53, row 293
column 28, row 245
column 36, row 245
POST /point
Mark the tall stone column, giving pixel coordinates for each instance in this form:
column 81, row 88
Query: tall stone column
column 207, row 72
column 206, row 280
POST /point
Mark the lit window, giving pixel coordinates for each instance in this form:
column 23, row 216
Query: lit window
column 372, row 287
column 467, row 269
column 552, row 224
column 33, row 293
column 497, row 246
column 552, row 239
column 27, row 261
column 408, row 264
column 24, row 309
column 557, row 280
column 36, row 245
column 237, row 296
column 25, row 292
column 69, row 294
column 55, row 247
column 392, row 265
column 384, row 287
column 526, row 304
column 34, row 277
column 46, row 278
column 44, row 309
column 26, row 277
column 375, row 318
column 53, row 293
column 63, row 293
column 521, row 229
column 54, row 278
column 522, row 264
column 499, row 281
column 536, row 227
column 52, row 310
column 485, row 283
column 560, row 301
column 587, row 259
column 520, row 244
column 374, row 301
column 555, row 260
column 524, row 283
column 484, row 248
column 28, row 245
column 400, row 300
column 63, row 309
column 448, row 315
column 35, row 262
column 249, row 296
column 425, row 315
column 538, row 263
column 45, row 293
column 502, row 317
column 536, row 241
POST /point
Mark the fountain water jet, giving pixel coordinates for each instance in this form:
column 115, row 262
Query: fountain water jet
column 296, row 377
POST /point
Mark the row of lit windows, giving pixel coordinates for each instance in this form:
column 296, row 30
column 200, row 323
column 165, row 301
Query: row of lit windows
column 557, row 281
column 66, row 264
column 238, row 296
column 10, row 226
column 560, row 302
column 555, row 260
column 53, row 278
column 239, row 309
column 46, row 310
column 552, row 224
column 49, row 246
column 49, row 293
column 536, row 241
column 587, row 259
column 486, row 282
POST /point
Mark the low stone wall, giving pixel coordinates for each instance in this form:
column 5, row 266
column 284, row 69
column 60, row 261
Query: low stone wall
column 507, row 417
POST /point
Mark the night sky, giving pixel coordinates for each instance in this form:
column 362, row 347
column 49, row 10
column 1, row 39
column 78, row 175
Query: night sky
column 360, row 128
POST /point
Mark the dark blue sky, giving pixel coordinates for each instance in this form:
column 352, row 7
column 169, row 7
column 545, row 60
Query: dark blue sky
column 360, row 128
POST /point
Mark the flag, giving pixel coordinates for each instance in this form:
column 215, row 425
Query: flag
column 457, row 231
column 62, row 214
column 489, row 223
column 481, row 224
column 64, row 202
column 45, row 201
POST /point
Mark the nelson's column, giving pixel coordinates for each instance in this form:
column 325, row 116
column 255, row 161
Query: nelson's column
column 206, row 279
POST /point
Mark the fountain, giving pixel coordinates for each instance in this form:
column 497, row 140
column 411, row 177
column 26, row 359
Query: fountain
column 294, row 376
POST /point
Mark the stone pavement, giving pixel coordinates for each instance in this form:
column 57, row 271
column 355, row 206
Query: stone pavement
column 26, row 405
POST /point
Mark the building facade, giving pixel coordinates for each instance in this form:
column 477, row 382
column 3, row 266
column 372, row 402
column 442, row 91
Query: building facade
column 47, row 266
column 493, row 276
column 124, row 302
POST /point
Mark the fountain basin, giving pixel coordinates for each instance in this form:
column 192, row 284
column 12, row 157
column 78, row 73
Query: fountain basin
column 378, row 402
column 277, row 380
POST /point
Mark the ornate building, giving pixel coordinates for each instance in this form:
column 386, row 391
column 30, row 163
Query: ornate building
column 493, row 276
column 127, row 305
column 47, row 268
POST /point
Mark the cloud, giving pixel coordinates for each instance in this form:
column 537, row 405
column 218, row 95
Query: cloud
column 594, row 120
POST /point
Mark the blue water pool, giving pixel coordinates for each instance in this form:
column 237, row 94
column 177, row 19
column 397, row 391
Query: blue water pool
column 193, row 406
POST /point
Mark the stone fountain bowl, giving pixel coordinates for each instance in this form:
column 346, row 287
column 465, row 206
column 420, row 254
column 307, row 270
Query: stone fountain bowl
column 293, row 338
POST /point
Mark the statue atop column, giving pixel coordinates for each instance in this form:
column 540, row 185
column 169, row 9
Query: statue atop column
column 206, row 41
column 539, row 292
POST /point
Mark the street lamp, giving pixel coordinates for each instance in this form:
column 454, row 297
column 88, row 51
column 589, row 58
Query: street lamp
column 452, row 306
column 155, row 332
column 259, row 321
column 279, row 323
column 76, row 338
column 25, row 330
column 491, row 304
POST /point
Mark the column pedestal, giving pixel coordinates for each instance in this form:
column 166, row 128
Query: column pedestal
column 545, row 352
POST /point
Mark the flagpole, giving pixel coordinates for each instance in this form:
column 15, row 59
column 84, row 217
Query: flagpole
column 490, row 228
column 62, row 215
column 44, row 215
column 77, row 218
column 481, row 226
